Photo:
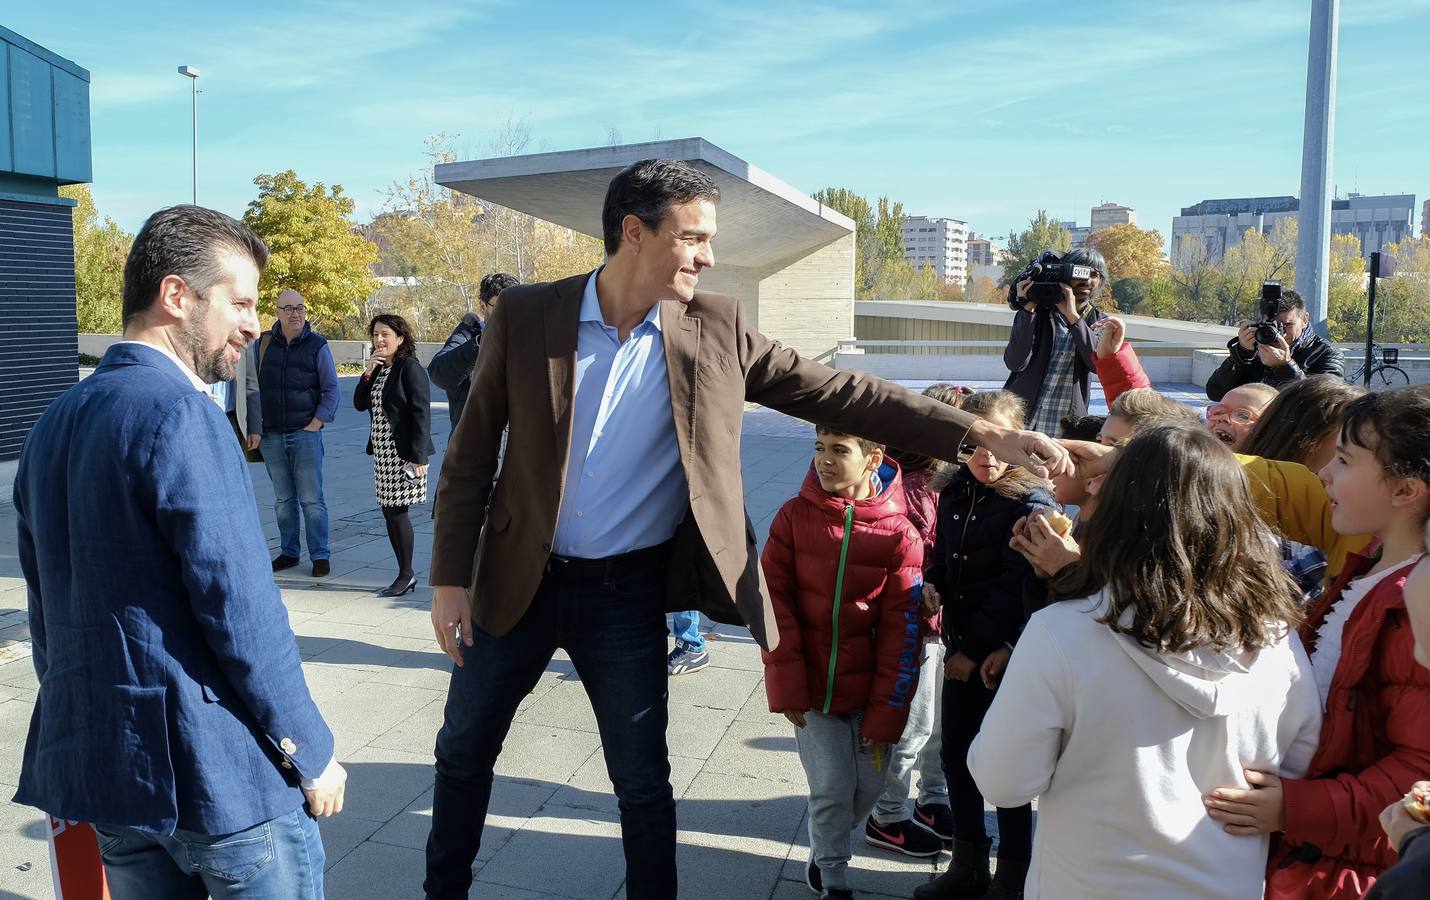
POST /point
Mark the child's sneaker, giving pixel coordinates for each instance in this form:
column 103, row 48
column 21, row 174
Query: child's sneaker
column 936, row 817
column 683, row 660
column 906, row 837
column 813, row 878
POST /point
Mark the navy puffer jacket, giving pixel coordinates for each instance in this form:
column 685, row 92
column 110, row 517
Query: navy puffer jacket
column 980, row 578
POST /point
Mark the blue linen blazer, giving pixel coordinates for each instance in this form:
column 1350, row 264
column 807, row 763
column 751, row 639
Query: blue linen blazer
column 171, row 691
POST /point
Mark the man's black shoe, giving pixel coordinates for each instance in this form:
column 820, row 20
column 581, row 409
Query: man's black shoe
column 321, row 568
column 284, row 562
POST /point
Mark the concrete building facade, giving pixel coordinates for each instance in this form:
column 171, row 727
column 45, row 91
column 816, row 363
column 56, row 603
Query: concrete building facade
column 1215, row 226
column 44, row 143
column 787, row 257
column 983, row 251
column 1105, row 215
column 941, row 244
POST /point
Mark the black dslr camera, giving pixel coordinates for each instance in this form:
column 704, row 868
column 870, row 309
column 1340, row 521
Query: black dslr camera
column 1269, row 329
column 1048, row 272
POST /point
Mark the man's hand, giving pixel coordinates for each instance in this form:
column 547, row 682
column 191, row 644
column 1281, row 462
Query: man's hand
column 1068, row 305
column 1047, row 551
column 315, row 425
column 1261, row 810
column 1111, row 332
column 1396, row 820
column 325, row 797
column 795, row 716
column 931, row 601
column 993, row 666
column 1090, row 460
column 1246, row 336
column 1035, row 452
column 1274, row 356
column 253, row 441
column 959, row 667
column 451, row 619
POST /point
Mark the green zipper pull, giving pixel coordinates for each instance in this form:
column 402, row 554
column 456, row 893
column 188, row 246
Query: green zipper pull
column 838, row 600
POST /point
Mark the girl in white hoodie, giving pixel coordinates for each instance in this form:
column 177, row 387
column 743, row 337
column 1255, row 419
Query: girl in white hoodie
column 1170, row 668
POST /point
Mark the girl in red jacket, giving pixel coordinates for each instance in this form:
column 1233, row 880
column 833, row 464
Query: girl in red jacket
column 845, row 573
column 1375, row 739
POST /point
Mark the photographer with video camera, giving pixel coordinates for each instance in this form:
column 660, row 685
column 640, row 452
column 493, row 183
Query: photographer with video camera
column 1050, row 351
column 1277, row 349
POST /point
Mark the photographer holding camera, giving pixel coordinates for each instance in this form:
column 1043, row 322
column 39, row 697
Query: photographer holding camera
column 1278, row 349
column 1050, row 351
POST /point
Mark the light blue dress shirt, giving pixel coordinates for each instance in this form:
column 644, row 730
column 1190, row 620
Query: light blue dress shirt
column 625, row 486
column 222, row 392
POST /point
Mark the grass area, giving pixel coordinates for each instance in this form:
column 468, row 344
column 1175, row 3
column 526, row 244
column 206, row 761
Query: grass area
column 349, row 369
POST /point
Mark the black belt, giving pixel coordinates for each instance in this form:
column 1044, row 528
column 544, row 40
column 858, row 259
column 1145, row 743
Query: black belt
column 645, row 555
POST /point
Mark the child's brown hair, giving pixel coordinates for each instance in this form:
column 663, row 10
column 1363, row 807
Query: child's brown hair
column 866, row 446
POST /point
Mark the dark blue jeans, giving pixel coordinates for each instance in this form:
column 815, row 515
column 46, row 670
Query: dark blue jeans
column 281, row 859
column 609, row 617
column 295, row 464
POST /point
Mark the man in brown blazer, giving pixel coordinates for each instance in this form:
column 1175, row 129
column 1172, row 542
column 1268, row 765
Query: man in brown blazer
column 620, row 498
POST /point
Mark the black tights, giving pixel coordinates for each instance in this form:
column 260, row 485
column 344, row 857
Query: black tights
column 399, row 533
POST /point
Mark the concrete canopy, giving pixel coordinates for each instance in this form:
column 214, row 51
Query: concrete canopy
column 787, row 257
column 763, row 222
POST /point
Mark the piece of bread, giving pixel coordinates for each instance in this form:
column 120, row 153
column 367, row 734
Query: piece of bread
column 1060, row 523
column 1417, row 804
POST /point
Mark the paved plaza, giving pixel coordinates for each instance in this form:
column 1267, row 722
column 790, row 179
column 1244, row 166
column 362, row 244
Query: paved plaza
column 553, row 832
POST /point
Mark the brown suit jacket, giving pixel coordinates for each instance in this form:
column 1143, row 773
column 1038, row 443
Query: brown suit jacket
column 493, row 535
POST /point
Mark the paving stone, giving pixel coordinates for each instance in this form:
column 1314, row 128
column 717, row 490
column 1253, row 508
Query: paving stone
column 767, row 750
column 573, row 855
column 375, row 871
column 543, row 753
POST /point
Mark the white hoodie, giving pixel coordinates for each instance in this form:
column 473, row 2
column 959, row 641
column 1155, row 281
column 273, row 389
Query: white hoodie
column 1121, row 742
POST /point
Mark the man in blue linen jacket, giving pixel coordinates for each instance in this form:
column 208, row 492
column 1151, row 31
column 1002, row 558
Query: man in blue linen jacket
column 172, row 709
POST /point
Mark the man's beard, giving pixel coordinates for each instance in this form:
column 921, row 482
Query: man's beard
column 212, row 366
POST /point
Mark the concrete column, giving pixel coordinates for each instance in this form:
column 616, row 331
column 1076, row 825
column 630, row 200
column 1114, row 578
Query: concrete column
column 1313, row 250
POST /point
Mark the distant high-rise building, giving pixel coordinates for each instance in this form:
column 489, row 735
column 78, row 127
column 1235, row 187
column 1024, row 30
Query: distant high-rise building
column 984, row 251
column 1105, row 215
column 1078, row 232
column 1425, row 219
column 1218, row 225
column 941, row 244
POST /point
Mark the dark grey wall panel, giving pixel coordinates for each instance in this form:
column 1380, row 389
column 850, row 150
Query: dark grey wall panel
column 38, row 345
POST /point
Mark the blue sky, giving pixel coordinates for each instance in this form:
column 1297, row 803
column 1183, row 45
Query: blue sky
column 984, row 111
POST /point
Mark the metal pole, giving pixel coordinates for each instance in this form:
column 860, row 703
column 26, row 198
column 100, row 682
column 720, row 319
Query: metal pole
column 194, row 86
column 1314, row 246
column 1370, row 314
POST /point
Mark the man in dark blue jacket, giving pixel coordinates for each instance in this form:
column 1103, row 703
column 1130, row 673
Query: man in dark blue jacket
column 172, row 710
column 298, row 384
column 451, row 369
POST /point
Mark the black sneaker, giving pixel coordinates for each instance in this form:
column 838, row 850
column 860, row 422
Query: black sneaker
column 322, row 568
column 284, row 562
column 906, row 837
column 683, row 660
column 936, row 817
column 813, row 878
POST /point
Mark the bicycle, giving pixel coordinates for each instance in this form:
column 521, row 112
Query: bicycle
column 1383, row 363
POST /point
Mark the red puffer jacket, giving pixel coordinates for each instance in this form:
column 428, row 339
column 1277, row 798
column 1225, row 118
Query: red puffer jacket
column 852, row 569
column 1375, row 743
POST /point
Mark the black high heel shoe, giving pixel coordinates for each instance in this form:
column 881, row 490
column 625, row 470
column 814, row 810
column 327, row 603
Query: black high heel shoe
column 398, row 588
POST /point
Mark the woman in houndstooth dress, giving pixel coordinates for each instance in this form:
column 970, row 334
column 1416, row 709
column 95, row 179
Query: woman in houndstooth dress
column 395, row 392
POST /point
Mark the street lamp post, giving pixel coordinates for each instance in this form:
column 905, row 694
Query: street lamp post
column 193, row 75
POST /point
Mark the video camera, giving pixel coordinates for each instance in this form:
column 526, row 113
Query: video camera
column 1268, row 330
column 1048, row 272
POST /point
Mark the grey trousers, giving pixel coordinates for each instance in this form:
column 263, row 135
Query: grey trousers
column 843, row 785
column 921, row 746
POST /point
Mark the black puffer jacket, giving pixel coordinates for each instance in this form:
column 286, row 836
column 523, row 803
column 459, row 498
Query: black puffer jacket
column 1314, row 356
column 980, row 578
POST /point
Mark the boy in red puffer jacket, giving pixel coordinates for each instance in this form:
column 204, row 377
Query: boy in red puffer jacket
column 844, row 570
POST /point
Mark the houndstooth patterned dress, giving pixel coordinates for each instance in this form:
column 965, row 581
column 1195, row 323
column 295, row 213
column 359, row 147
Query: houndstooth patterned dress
column 393, row 488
